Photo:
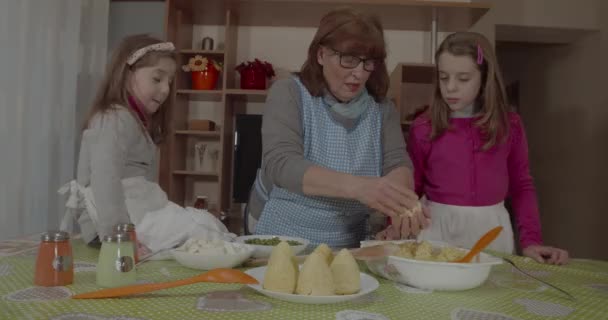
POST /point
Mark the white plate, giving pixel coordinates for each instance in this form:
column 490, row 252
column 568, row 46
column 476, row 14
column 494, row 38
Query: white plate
column 368, row 285
column 264, row 251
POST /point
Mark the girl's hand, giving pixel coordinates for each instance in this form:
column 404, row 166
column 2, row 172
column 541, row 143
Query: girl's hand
column 405, row 227
column 386, row 234
column 545, row 254
column 408, row 226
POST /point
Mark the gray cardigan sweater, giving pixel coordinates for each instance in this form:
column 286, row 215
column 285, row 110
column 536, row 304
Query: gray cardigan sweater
column 113, row 147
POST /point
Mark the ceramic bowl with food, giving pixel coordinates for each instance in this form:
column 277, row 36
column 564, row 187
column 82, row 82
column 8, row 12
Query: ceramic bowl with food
column 433, row 275
column 207, row 255
column 263, row 244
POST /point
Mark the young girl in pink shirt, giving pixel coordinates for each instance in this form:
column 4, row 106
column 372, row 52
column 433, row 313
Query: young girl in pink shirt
column 470, row 152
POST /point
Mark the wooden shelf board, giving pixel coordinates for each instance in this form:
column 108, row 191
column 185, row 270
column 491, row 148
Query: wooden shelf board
column 394, row 14
column 195, row 173
column 203, row 52
column 199, row 133
column 246, row 92
column 199, row 92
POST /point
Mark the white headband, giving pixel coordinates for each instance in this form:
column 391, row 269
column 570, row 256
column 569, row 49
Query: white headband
column 163, row 46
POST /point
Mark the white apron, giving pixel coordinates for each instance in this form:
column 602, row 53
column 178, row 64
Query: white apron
column 462, row 226
column 159, row 223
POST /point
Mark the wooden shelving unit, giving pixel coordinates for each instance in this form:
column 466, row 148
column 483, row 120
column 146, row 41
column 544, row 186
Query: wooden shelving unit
column 181, row 19
column 411, row 88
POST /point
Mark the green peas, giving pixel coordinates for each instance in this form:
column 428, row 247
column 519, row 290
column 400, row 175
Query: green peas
column 270, row 242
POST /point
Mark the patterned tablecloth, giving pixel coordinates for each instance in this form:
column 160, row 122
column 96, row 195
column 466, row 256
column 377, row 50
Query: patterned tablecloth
column 506, row 295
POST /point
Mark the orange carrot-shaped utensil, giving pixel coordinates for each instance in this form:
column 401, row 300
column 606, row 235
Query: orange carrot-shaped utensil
column 215, row 275
column 481, row 244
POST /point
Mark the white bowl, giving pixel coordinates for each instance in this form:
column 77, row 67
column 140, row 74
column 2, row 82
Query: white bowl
column 214, row 260
column 445, row 276
column 264, row 251
column 368, row 284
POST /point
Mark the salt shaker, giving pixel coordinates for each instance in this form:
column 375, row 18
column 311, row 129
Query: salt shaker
column 116, row 265
column 129, row 228
column 54, row 264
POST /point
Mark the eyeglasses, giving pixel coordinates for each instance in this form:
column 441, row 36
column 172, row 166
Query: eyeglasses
column 350, row 62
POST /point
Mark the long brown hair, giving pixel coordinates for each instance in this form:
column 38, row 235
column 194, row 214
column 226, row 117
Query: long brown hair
column 113, row 89
column 492, row 98
column 353, row 33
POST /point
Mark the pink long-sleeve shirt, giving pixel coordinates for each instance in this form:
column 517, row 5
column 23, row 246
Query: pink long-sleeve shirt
column 453, row 169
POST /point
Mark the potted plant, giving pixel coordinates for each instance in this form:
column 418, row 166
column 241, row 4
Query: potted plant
column 254, row 74
column 205, row 72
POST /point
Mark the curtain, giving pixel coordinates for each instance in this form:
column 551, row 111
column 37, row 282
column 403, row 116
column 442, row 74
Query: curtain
column 52, row 55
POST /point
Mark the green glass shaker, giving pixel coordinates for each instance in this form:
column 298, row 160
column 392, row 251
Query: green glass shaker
column 116, row 265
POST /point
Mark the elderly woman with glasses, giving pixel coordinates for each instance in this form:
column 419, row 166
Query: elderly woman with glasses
column 333, row 151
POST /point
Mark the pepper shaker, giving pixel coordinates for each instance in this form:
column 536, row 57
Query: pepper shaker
column 54, row 264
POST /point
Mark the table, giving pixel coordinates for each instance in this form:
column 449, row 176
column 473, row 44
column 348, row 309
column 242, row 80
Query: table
column 506, row 295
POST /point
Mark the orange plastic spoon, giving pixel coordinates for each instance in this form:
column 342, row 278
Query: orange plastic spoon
column 215, row 275
column 481, row 244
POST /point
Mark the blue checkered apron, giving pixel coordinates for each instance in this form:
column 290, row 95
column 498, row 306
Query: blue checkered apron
column 357, row 150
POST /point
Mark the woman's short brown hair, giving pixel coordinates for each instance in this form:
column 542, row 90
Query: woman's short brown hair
column 350, row 32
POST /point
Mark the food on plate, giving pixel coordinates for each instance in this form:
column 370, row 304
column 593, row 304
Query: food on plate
column 345, row 273
column 426, row 252
column 282, row 271
column 315, row 277
column 270, row 242
column 326, row 252
column 320, row 275
column 210, row 247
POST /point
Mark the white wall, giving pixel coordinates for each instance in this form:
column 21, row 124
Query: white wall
column 563, row 105
column 558, row 14
column 133, row 17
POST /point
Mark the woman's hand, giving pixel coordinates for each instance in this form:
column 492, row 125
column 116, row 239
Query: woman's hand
column 546, row 254
column 383, row 195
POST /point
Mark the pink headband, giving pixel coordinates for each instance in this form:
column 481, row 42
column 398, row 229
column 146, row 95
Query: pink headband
column 163, row 46
column 479, row 55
